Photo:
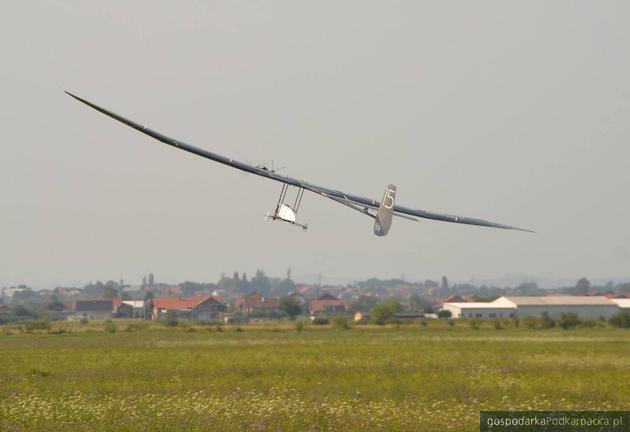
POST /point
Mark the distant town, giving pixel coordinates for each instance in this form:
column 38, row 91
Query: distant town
column 238, row 298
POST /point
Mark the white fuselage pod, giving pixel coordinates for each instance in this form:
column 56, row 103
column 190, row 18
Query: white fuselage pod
column 286, row 213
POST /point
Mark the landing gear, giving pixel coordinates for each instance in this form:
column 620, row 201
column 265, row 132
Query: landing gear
column 285, row 212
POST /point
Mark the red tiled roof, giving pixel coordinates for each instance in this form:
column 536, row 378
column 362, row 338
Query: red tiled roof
column 178, row 303
column 325, row 303
column 254, row 301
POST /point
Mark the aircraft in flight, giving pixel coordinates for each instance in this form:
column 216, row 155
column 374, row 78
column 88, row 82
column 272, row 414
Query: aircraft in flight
column 381, row 211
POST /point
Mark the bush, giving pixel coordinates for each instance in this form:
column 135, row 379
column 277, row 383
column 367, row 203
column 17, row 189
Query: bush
column 39, row 372
column 516, row 322
column 530, row 322
column 110, row 327
column 423, row 322
column 451, row 323
column 620, row 319
column 37, row 325
column 24, row 312
column 590, row 323
column 498, row 325
column 171, row 319
column 383, row 313
column 321, row 321
column 341, row 323
column 133, row 327
column 84, row 321
column 546, row 322
column 299, row 326
column 568, row 321
column 475, row 324
column 238, row 329
column 443, row 313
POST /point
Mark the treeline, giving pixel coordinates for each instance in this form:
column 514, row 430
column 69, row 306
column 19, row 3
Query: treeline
column 261, row 283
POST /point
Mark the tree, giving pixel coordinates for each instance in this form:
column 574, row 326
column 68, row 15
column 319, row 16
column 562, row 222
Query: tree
column 418, row 304
column 623, row 287
column 341, row 323
column 281, row 286
column 24, row 294
column 260, row 283
column 110, row 292
column 528, row 288
column 620, row 319
column 444, row 283
column 568, row 320
column 546, row 321
column 582, row 286
column 148, row 295
column 384, row 313
column 444, row 313
column 290, row 307
column 23, row 312
column 55, row 306
column 363, row 304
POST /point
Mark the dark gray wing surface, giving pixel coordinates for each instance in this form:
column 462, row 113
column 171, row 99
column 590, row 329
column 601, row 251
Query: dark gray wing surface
column 357, row 202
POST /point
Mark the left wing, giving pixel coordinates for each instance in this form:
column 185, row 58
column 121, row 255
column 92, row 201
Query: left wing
column 361, row 204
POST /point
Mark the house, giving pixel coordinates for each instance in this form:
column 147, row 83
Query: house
column 479, row 310
column 326, row 304
column 134, row 309
column 623, row 303
column 254, row 303
column 201, row 308
column 69, row 306
column 95, row 308
column 298, row 298
column 454, row 298
column 587, row 307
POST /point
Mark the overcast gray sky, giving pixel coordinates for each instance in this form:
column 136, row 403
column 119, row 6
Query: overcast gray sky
column 517, row 112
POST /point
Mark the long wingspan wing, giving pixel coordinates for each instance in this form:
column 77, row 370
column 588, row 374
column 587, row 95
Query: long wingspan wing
column 353, row 201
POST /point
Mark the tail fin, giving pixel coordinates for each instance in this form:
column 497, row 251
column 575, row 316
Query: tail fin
column 385, row 212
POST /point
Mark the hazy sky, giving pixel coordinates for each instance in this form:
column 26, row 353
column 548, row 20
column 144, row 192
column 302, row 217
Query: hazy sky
column 517, row 112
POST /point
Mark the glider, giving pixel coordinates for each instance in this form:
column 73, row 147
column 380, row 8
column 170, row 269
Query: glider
column 286, row 211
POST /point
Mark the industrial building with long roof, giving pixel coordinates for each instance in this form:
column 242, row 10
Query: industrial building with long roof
column 588, row 307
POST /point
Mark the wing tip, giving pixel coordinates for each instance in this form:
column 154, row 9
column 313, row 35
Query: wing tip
column 524, row 230
column 74, row 96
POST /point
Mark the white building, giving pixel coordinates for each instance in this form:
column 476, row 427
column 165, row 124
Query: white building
column 479, row 310
column 623, row 303
column 587, row 307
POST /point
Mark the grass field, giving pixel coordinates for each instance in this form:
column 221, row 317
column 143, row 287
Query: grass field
column 272, row 377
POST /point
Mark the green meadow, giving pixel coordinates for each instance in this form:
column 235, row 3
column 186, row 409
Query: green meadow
column 149, row 377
